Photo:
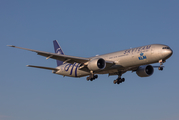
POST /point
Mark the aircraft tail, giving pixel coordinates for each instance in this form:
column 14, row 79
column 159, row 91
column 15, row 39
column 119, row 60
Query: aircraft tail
column 58, row 50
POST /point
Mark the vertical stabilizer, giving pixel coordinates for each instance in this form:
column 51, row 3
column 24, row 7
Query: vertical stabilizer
column 58, row 50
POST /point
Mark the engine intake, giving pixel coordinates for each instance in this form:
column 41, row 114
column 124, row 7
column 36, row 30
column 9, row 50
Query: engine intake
column 145, row 71
column 96, row 64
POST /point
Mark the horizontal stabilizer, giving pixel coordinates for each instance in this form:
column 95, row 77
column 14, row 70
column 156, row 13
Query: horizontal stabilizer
column 48, row 68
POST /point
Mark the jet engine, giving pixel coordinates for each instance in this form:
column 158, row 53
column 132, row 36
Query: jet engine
column 145, row 71
column 96, row 64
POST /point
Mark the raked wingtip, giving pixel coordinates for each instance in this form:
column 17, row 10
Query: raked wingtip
column 11, row 46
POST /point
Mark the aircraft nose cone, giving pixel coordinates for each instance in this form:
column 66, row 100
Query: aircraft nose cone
column 171, row 52
column 168, row 53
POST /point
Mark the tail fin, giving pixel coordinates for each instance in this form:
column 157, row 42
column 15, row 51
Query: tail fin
column 58, row 50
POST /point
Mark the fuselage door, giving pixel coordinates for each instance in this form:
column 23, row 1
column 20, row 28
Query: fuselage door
column 152, row 50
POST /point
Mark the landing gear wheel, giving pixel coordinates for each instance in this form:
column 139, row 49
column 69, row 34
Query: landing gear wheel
column 160, row 68
column 95, row 76
column 114, row 81
column 88, row 78
column 119, row 80
column 123, row 79
column 92, row 77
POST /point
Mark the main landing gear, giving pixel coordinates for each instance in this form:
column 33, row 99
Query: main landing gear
column 92, row 76
column 119, row 80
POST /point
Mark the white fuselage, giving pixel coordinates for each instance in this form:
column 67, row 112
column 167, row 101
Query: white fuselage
column 124, row 60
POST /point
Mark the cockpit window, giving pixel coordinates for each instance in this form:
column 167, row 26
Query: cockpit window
column 166, row 48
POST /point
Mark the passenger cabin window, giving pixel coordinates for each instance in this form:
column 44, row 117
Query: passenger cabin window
column 166, row 48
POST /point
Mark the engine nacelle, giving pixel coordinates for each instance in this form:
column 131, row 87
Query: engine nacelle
column 96, row 64
column 145, row 71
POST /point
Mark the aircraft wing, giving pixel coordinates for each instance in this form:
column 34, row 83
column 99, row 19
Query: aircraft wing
column 65, row 58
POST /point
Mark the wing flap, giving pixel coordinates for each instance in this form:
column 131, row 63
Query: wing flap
column 109, row 64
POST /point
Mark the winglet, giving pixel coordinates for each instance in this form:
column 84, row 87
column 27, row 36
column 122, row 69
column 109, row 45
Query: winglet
column 11, row 46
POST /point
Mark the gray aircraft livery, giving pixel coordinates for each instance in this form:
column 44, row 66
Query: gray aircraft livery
column 116, row 63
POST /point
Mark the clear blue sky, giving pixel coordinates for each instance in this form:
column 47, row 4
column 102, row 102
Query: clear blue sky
column 86, row 28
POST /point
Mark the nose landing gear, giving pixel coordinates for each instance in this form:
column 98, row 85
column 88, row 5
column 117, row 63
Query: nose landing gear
column 160, row 68
column 161, row 65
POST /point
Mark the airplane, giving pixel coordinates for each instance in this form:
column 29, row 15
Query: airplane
column 117, row 63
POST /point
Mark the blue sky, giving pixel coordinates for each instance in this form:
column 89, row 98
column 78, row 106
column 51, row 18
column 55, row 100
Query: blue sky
column 86, row 28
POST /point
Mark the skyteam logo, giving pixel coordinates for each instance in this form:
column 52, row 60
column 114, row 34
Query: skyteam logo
column 59, row 51
column 142, row 57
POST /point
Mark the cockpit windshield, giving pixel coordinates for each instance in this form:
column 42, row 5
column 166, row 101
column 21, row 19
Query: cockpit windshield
column 166, row 48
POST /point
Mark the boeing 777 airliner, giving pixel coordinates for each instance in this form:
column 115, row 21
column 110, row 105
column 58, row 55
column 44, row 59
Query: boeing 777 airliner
column 116, row 63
